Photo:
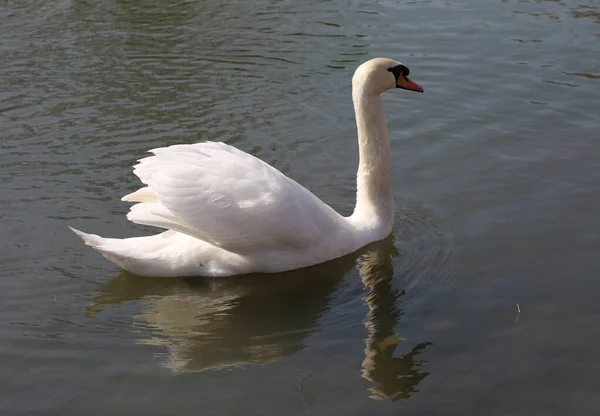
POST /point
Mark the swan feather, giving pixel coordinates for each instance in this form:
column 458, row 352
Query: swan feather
column 228, row 198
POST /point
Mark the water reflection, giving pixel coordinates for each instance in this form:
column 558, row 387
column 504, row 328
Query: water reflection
column 394, row 377
column 216, row 323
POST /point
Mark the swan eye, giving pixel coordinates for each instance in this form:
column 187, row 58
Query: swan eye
column 399, row 70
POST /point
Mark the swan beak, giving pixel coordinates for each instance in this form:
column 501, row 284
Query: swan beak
column 406, row 84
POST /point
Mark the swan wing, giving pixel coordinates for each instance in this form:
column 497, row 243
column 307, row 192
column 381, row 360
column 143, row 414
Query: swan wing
column 229, row 198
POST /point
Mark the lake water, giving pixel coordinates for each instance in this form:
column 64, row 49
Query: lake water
column 496, row 177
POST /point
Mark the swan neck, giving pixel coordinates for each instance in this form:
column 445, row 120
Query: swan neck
column 374, row 199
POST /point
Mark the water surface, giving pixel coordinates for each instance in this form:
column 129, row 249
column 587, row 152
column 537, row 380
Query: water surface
column 495, row 176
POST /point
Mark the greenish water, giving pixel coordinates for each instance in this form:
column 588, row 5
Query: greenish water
column 496, row 182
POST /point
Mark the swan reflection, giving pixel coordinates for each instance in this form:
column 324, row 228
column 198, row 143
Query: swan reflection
column 216, row 323
column 393, row 377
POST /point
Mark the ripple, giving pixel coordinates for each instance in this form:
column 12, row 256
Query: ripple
column 528, row 40
column 429, row 255
column 586, row 11
column 565, row 84
column 583, row 74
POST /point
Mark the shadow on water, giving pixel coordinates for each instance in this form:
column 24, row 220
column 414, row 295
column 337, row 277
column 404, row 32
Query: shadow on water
column 215, row 323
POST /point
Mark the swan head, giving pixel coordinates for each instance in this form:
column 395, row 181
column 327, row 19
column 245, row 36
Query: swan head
column 380, row 74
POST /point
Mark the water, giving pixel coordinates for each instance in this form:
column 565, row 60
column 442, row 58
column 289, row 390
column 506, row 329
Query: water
column 495, row 175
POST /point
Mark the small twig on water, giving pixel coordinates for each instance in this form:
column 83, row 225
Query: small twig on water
column 301, row 391
column 518, row 312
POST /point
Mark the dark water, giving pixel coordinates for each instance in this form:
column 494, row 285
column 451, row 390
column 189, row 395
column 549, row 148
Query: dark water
column 496, row 171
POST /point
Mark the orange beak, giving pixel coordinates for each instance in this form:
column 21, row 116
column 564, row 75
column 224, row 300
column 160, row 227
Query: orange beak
column 405, row 83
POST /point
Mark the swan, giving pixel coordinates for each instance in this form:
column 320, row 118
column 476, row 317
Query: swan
column 228, row 213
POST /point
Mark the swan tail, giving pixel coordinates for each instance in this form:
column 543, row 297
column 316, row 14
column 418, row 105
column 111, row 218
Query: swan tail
column 91, row 240
column 168, row 254
column 112, row 249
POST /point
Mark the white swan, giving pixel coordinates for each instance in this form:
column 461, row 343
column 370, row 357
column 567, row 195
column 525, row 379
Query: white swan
column 229, row 213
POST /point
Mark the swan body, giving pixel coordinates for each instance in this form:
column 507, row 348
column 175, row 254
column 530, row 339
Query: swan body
column 227, row 212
